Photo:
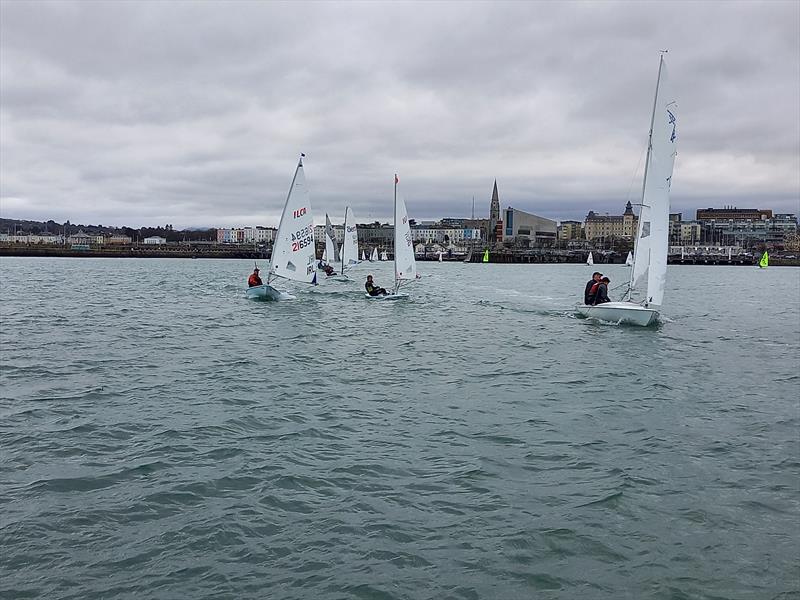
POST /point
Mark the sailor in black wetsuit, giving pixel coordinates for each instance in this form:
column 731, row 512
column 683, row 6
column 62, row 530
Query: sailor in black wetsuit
column 601, row 295
column 372, row 289
column 587, row 297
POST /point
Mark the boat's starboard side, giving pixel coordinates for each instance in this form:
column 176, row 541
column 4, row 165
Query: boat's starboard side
column 619, row 312
column 267, row 292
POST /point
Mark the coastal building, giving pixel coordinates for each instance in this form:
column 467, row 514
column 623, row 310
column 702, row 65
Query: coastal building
column 154, row 240
column 570, row 230
column 525, row 229
column 80, row 239
column 376, row 234
column 319, row 234
column 495, row 233
column 611, row 226
column 751, row 233
column 731, row 213
column 246, row 235
column 118, row 239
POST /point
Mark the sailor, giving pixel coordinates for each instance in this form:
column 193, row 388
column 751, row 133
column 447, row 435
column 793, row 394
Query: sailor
column 601, row 293
column 587, row 297
column 254, row 279
column 372, row 289
column 328, row 270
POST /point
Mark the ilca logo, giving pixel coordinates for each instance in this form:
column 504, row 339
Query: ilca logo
column 671, row 122
column 299, row 213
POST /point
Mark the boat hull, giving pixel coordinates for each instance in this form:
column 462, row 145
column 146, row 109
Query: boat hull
column 398, row 296
column 619, row 312
column 266, row 292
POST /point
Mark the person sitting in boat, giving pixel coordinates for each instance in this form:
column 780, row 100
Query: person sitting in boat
column 601, row 293
column 328, row 270
column 254, row 279
column 587, row 292
column 372, row 289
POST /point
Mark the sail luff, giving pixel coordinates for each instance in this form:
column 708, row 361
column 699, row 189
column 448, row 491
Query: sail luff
column 283, row 222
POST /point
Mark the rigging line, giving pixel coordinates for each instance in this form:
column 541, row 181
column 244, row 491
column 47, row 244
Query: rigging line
column 633, row 177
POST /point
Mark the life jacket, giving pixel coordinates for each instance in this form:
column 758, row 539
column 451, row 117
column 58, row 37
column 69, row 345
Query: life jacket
column 593, row 291
column 254, row 280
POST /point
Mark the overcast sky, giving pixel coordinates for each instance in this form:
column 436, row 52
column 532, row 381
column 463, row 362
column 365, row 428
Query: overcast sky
column 194, row 113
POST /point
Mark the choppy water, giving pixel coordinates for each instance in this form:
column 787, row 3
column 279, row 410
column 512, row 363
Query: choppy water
column 163, row 437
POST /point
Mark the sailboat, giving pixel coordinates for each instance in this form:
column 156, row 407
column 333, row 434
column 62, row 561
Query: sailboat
column 652, row 237
column 363, row 256
column 629, row 260
column 293, row 256
column 764, row 262
column 590, row 260
column 384, row 256
column 350, row 243
column 486, row 255
column 440, row 256
column 331, row 250
column 374, row 256
column 405, row 266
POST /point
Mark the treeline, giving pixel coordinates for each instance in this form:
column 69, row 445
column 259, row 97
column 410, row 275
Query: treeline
column 21, row 227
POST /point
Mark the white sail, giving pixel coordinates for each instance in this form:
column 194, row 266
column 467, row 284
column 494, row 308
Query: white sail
column 331, row 250
column 384, row 256
column 440, row 256
column 350, row 244
column 590, row 260
column 652, row 240
column 374, row 256
column 629, row 260
column 363, row 255
column 293, row 252
column 405, row 267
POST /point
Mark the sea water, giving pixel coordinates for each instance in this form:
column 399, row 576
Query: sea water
column 163, row 437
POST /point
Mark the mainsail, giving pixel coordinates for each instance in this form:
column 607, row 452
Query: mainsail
column 350, row 243
column 764, row 262
column 405, row 267
column 652, row 239
column 331, row 249
column 293, row 251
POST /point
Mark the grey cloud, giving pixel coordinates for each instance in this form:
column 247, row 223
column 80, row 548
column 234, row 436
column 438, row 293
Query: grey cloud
column 194, row 113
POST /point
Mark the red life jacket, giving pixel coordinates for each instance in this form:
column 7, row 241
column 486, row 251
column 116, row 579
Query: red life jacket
column 595, row 287
column 254, row 280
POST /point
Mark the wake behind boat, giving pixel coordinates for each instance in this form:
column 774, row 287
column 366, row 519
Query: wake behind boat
column 652, row 237
column 293, row 254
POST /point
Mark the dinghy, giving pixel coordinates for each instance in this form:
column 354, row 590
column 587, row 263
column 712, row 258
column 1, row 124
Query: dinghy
column 374, row 256
column 629, row 260
column 363, row 256
column 486, row 255
column 293, row 256
column 405, row 266
column 384, row 256
column 652, row 238
column 590, row 260
column 764, row 262
column 349, row 253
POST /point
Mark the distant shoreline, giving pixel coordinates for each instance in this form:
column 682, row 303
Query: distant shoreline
column 239, row 253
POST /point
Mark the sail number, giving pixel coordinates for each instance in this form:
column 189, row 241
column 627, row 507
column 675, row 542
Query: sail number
column 302, row 238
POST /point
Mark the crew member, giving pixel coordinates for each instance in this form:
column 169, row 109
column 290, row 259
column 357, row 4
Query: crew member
column 254, row 279
column 587, row 292
column 372, row 289
column 601, row 293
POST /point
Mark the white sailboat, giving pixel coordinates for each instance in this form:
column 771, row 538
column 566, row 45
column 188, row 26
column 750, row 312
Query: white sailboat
column 374, row 256
column 652, row 238
column 405, row 266
column 293, row 256
column 590, row 260
column 629, row 260
column 349, row 252
column 331, row 250
column 440, row 256
column 384, row 256
column 363, row 256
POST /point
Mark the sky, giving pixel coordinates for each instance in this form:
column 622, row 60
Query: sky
column 195, row 113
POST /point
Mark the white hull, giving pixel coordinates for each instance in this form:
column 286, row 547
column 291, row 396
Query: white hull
column 398, row 296
column 619, row 312
column 267, row 292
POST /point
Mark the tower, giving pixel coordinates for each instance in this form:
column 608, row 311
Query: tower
column 494, row 213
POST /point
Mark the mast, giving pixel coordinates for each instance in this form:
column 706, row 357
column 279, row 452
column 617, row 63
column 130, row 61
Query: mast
column 637, row 255
column 344, row 240
column 396, row 280
column 283, row 214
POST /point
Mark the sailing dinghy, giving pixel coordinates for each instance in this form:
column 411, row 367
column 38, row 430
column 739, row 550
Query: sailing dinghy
column 293, row 252
column 629, row 260
column 349, row 253
column 405, row 266
column 374, row 256
column 652, row 238
column 764, row 262
column 590, row 260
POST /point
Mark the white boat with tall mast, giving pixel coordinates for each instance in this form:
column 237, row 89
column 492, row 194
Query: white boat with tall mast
column 629, row 260
column 349, row 252
column 590, row 260
column 405, row 265
column 652, row 237
column 293, row 256
column 374, row 256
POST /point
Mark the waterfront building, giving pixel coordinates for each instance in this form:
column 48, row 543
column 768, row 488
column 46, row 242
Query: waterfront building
column 495, row 233
column 731, row 213
column 118, row 239
column 751, row 233
column 611, row 226
column 154, row 240
column 338, row 234
column 525, row 229
column 80, row 239
column 376, row 234
column 570, row 230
